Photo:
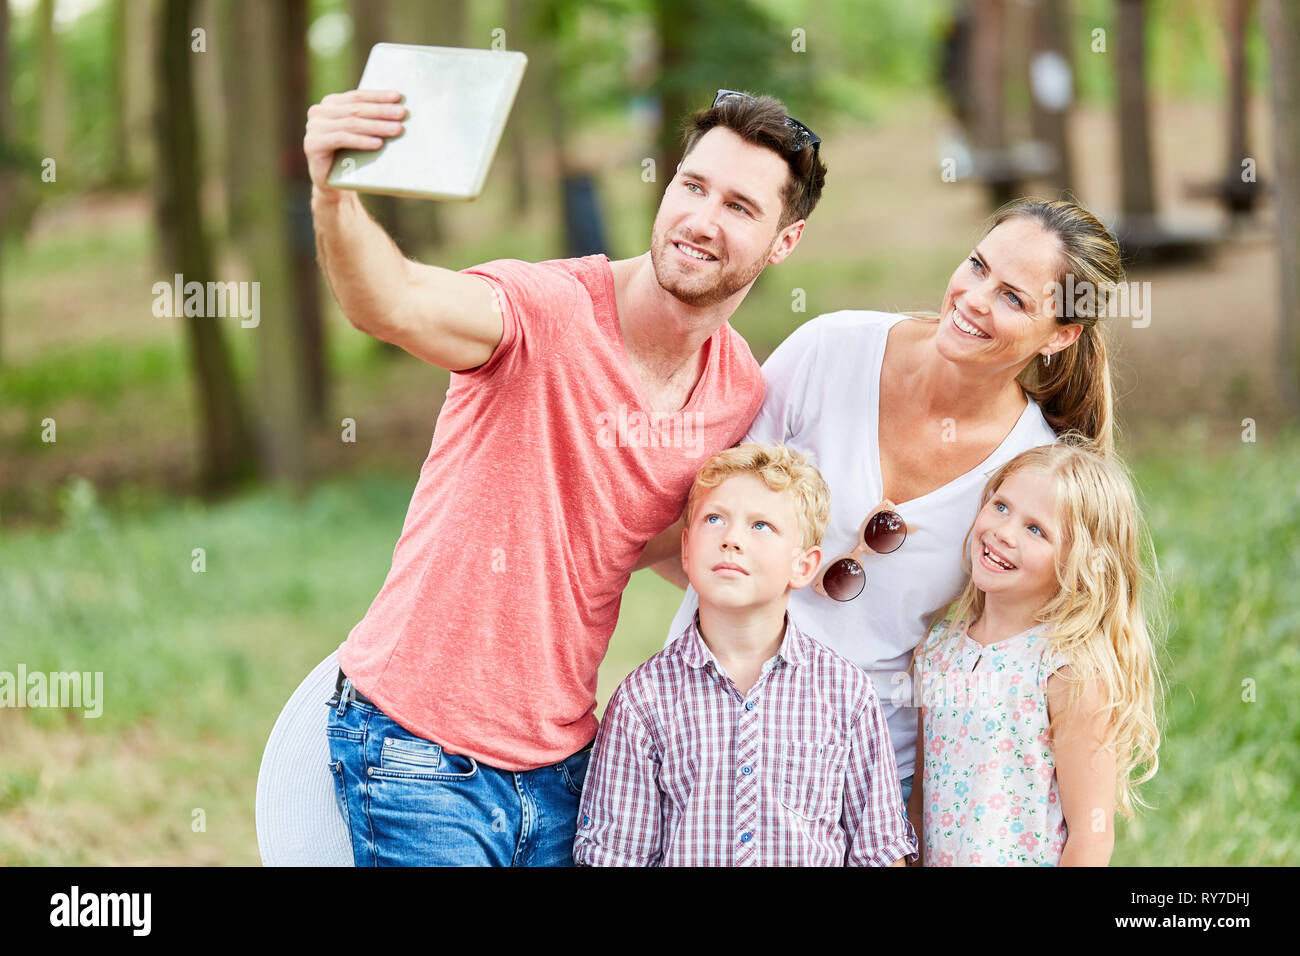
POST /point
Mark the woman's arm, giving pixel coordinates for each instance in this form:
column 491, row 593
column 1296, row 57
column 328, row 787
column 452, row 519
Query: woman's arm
column 663, row 547
column 664, row 554
column 1085, row 774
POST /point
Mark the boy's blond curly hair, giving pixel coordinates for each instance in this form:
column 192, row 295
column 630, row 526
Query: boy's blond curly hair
column 782, row 470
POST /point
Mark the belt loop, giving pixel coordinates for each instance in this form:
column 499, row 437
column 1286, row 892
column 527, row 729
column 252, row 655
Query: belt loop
column 344, row 695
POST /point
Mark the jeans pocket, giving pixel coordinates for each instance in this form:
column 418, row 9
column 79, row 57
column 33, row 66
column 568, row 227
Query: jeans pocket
column 419, row 756
column 404, row 756
column 810, row 778
column 574, row 771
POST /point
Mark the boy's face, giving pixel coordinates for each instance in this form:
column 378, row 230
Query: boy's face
column 743, row 546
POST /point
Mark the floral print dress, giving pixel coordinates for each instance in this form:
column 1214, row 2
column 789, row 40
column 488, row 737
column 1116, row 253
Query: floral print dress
column 991, row 796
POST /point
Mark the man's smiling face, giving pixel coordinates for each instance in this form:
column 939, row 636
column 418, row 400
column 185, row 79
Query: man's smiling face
column 716, row 229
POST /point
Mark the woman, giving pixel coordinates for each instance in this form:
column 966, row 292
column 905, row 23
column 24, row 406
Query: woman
column 913, row 414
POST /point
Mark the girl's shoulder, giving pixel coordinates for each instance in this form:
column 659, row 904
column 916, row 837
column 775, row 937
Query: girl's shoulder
column 1043, row 647
column 940, row 634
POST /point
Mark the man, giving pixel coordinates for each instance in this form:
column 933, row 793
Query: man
column 584, row 395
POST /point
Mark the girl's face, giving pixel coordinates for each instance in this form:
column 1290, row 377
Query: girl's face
column 1016, row 541
column 998, row 311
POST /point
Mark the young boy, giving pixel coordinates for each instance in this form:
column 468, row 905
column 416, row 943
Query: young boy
column 746, row 742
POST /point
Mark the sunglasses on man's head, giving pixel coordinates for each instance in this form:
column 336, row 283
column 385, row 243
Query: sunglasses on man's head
column 883, row 532
column 803, row 136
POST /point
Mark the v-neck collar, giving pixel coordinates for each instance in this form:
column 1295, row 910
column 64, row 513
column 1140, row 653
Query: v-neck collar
column 874, row 425
column 615, row 332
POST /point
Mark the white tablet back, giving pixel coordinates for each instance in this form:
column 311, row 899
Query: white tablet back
column 457, row 103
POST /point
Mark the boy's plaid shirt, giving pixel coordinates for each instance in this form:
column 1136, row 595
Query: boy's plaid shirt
column 687, row 771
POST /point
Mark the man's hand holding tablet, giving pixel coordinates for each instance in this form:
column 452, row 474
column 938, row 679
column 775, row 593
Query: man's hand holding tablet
column 440, row 316
column 425, row 122
column 458, row 102
column 357, row 119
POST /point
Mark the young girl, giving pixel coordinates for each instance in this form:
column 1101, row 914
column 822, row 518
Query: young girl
column 1039, row 692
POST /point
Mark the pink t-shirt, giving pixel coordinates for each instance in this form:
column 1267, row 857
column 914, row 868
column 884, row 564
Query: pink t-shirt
column 544, row 483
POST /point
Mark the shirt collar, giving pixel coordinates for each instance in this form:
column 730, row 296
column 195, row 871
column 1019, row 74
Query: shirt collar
column 695, row 653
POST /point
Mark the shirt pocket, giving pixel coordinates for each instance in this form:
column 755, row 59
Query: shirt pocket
column 810, row 778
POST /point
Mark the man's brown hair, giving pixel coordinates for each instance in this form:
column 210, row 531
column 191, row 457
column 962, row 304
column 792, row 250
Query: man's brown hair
column 761, row 120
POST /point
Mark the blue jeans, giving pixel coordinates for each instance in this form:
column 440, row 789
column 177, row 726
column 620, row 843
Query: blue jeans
column 407, row 802
column 906, row 786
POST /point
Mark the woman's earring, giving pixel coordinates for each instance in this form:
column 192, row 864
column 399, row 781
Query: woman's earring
column 1047, row 360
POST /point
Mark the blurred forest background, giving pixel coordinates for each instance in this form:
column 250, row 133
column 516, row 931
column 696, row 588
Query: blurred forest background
column 202, row 510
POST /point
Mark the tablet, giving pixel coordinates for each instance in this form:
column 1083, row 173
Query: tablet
column 457, row 102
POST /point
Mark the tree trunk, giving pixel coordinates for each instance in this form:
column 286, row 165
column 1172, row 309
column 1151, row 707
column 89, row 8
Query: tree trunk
column 238, row 99
column 208, row 88
column 1282, row 24
column 1137, row 202
column 294, row 86
column 673, row 22
column 138, row 87
column 124, row 61
column 119, row 160
column 1239, row 195
column 1052, row 126
column 516, row 131
column 54, row 93
column 227, row 453
column 989, row 135
column 281, row 383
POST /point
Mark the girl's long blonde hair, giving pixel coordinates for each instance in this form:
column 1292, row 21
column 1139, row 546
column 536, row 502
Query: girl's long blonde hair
column 1105, row 618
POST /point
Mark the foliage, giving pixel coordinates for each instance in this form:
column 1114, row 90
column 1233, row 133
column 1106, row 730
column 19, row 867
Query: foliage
column 859, row 52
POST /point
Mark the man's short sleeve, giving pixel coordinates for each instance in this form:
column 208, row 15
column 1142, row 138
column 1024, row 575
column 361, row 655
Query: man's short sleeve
column 537, row 302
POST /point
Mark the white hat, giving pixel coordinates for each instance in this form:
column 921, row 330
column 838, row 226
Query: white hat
column 298, row 820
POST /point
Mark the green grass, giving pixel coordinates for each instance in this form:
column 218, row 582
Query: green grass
column 197, row 665
column 101, row 372
column 91, row 251
column 1227, row 532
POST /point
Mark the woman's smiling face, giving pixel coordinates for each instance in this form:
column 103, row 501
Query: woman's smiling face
column 998, row 311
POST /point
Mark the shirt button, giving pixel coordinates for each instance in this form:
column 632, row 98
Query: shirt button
column 750, row 705
column 746, row 837
column 585, row 820
column 746, row 769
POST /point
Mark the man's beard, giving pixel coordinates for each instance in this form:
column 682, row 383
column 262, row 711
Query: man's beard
column 700, row 291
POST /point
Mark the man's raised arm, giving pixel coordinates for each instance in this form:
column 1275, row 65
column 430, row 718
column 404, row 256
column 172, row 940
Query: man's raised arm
column 438, row 315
